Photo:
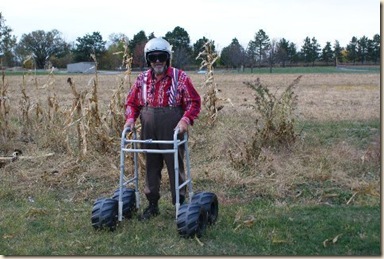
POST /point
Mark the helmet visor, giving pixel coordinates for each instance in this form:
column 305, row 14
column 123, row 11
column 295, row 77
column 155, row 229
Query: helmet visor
column 154, row 57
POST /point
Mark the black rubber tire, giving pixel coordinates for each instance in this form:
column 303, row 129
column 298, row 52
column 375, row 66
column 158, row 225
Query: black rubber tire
column 192, row 219
column 104, row 214
column 129, row 201
column 210, row 203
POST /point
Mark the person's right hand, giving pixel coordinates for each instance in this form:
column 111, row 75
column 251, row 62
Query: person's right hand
column 129, row 123
column 183, row 126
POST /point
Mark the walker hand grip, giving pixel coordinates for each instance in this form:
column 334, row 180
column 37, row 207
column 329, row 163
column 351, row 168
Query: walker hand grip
column 125, row 131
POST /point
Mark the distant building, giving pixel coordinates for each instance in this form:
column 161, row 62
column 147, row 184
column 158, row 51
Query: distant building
column 82, row 67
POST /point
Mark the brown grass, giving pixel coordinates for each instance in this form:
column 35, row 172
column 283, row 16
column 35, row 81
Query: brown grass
column 281, row 175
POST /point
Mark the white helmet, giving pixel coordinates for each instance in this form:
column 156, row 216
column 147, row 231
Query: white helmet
column 157, row 44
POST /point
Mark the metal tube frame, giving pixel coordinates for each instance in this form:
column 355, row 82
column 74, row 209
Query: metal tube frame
column 176, row 143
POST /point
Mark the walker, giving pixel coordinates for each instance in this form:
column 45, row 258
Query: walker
column 192, row 217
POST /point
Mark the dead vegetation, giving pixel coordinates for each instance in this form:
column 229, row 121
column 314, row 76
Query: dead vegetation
column 274, row 124
column 79, row 119
column 211, row 99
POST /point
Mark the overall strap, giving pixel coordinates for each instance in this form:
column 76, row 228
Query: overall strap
column 172, row 96
column 144, row 88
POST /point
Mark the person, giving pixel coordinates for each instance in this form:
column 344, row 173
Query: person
column 164, row 98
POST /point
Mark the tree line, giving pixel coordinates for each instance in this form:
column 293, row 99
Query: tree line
column 40, row 49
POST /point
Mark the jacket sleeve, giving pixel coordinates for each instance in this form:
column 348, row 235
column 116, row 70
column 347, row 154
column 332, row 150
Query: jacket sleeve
column 191, row 101
column 134, row 102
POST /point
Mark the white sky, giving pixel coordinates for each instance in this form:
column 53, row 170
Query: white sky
column 218, row 20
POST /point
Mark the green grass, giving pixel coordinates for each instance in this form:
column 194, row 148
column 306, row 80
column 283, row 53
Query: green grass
column 310, row 69
column 48, row 227
column 327, row 133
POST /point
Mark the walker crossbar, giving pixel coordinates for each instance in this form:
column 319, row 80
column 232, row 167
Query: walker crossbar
column 175, row 142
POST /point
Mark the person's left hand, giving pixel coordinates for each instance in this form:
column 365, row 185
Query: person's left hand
column 183, row 126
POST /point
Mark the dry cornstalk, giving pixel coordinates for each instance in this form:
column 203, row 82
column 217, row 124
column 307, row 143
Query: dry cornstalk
column 210, row 99
column 25, row 104
column 77, row 104
column 127, row 62
column 4, row 105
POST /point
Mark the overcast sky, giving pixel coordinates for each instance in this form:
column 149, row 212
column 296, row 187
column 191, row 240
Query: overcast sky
column 218, row 20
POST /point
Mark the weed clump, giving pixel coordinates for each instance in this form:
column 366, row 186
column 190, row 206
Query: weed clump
column 274, row 123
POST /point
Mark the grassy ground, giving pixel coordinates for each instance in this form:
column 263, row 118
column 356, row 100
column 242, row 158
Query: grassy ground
column 259, row 227
column 320, row 196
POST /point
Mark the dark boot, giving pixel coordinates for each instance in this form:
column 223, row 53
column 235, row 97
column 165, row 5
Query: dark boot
column 182, row 199
column 151, row 210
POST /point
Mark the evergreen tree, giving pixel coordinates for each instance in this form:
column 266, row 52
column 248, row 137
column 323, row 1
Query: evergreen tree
column 182, row 51
column 293, row 56
column 310, row 50
column 262, row 44
column 362, row 49
column 233, row 55
column 327, row 53
column 374, row 49
column 338, row 53
column 136, row 45
column 282, row 52
column 352, row 50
